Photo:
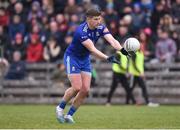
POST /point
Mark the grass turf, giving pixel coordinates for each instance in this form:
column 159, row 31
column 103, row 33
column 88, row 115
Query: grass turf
column 90, row 116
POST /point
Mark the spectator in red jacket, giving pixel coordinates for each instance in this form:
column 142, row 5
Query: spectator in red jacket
column 35, row 50
column 4, row 17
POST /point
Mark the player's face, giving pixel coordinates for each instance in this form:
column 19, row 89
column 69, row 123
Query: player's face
column 94, row 21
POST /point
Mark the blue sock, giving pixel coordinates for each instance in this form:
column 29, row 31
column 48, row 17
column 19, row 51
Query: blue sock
column 62, row 104
column 72, row 110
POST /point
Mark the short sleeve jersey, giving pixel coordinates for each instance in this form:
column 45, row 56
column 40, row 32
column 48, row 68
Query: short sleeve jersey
column 82, row 33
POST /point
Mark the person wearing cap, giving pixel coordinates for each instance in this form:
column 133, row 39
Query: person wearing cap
column 77, row 61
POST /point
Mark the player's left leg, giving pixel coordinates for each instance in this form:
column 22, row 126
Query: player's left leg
column 82, row 94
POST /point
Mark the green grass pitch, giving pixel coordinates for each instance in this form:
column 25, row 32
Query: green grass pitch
column 90, row 116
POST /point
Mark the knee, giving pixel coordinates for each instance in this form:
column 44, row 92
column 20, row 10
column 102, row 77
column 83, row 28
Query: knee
column 77, row 88
column 85, row 90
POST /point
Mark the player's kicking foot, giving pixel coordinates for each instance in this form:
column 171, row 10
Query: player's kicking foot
column 60, row 115
column 69, row 119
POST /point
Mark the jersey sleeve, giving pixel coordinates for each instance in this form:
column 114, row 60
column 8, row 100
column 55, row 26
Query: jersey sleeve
column 103, row 27
column 82, row 36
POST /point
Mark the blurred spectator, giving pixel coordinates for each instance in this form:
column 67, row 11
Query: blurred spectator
column 4, row 4
column 3, row 65
column 136, row 71
column 71, row 7
column 123, row 7
column 59, row 6
column 94, row 77
column 18, row 46
column 111, row 19
column 147, row 47
column 17, row 69
column 36, row 30
column 11, row 6
column 80, row 13
column 34, row 50
column 175, row 12
column 166, row 5
column 103, row 3
column 123, row 33
column 4, row 42
column 35, row 12
column 176, row 38
column 127, row 21
column 119, row 76
column 47, row 7
column 16, row 27
column 62, row 23
column 45, row 23
column 19, row 10
column 147, row 4
column 53, row 31
column 4, row 39
column 139, row 18
column 166, row 23
column 110, row 15
column 165, row 48
column 4, row 17
column 156, row 16
column 52, row 50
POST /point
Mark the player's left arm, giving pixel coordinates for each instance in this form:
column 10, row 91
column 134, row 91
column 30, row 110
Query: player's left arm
column 114, row 43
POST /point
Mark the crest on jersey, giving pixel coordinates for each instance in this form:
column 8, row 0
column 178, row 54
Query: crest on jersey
column 97, row 34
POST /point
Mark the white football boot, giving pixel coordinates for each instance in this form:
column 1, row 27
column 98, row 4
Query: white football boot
column 69, row 119
column 60, row 115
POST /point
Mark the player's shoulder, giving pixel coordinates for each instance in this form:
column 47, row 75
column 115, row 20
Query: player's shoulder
column 101, row 27
column 82, row 28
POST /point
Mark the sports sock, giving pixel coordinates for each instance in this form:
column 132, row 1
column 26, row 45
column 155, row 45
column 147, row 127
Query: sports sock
column 72, row 110
column 62, row 104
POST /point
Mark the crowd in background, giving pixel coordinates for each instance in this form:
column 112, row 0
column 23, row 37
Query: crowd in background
column 40, row 30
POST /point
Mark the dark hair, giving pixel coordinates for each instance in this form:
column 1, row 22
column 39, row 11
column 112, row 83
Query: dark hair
column 93, row 12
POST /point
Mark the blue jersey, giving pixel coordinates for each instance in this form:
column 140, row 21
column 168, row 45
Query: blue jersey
column 76, row 57
column 83, row 33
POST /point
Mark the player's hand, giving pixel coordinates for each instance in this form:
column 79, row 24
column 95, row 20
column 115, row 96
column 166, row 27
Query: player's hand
column 128, row 53
column 131, row 53
column 124, row 52
column 112, row 59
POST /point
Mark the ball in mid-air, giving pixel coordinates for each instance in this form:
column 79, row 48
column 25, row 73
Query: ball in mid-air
column 131, row 44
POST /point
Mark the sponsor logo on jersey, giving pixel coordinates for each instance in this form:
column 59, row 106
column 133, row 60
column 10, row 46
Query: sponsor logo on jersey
column 83, row 37
column 100, row 27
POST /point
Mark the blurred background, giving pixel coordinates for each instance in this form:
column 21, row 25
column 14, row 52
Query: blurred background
column 35, row 33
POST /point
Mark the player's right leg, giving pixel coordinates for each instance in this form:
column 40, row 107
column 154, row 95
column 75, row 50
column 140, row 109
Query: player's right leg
column 76, row 84
column 82, row 94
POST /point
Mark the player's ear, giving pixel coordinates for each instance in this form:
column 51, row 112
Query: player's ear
column 88, row 17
